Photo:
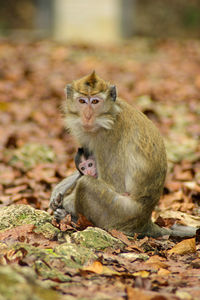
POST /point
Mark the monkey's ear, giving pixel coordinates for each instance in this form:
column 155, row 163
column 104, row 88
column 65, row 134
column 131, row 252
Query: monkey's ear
column 113, row 92
column 68, row 90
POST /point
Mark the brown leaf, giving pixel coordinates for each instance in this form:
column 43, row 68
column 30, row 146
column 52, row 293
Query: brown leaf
column 183, row 218
column 98, row 268
column 66, row 223
column 137, row 294
column 15, row 255
column 184, row 176
column 121, row 236
column 173, row 186
column 163, row 272
column 143, row 274
column 25, row 233
column 184, row 247
column 95, row 267
column 83, row 222
column 16, row 189
column 156, row 262
column 193, row 186
column 16, row 233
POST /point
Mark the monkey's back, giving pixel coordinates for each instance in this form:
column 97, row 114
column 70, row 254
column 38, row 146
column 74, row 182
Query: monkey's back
column 135, row 159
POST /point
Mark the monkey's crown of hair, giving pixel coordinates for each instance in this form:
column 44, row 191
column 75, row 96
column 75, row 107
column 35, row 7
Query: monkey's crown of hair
column 90, row 84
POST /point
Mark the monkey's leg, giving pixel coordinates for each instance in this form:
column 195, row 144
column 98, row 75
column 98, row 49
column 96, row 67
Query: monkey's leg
column 105, row 208
column 61, row 189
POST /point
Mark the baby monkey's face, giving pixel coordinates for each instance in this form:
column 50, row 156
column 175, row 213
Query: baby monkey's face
column 88, row 167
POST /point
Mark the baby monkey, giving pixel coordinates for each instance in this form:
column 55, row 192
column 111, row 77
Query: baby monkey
column 85, row 162
column 86, row 165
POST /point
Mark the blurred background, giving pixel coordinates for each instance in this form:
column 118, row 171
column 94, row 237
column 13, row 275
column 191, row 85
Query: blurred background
column 107, row 20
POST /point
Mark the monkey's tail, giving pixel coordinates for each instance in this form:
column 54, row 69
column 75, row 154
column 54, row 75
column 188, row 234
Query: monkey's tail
column 176, row 230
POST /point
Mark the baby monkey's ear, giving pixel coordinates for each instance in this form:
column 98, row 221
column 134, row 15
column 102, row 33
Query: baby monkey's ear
column 113, row 92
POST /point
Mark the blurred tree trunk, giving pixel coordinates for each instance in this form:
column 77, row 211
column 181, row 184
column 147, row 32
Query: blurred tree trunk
column 44, row 17
column 128, row 12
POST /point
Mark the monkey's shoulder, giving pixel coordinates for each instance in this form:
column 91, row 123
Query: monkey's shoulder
column 138, row 123
column 142, row 138
column 130, row 113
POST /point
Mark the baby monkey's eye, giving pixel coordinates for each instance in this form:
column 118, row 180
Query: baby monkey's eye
column 82, row 100
column 82, row 168
column 90, row 164
column 95, row 101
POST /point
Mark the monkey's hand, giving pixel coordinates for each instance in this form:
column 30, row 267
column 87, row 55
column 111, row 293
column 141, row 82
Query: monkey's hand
column 62, row 189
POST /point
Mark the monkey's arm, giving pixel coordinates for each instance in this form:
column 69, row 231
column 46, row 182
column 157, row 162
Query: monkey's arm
column 61, row 189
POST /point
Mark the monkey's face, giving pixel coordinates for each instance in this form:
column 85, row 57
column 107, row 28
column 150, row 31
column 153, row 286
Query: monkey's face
column 88, row 167
column 91, row 102
column 89, row 109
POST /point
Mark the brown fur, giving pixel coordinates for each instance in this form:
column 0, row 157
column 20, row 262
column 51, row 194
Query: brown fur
column 90, row 85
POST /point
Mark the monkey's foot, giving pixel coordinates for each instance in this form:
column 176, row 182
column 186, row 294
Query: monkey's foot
column 56, row 201
column 60, row 213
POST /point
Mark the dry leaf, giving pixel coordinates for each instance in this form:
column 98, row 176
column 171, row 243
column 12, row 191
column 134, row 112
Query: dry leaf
column 163, row 272
column 184, row 247
column 137, row 294
column 191, row 185
column 98, row 268
column 186, row 219
column 95, row 267
column 16, row 189
column 121, row 236
column 16, row 233
column 143, row 274
column 156, row 262
column 83, row 222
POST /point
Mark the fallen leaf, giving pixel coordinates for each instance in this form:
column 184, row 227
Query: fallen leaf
column 95, row 267
column 184, row 247
column 121, row 236
column 156, row 262
column 192, row 186
column 185, row 219
column 83, row 222
column 133, row 256
column 173, row 185
column 143, row 274
column 16, row 233
column 138, row 294
column 163, row 272
column 184, row 295
column 16, row 189
column 98, row 268
column 15, row 255
column 184, row 176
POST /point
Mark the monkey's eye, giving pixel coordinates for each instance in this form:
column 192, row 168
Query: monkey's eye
column 95, row 101
column 90, row 165
column 82, row 100
column 82, row 168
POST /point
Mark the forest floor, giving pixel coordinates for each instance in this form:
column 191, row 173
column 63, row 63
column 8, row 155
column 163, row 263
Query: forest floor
column 162, row 78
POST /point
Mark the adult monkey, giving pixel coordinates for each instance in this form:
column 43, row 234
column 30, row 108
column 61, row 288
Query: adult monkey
column 130, row 158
